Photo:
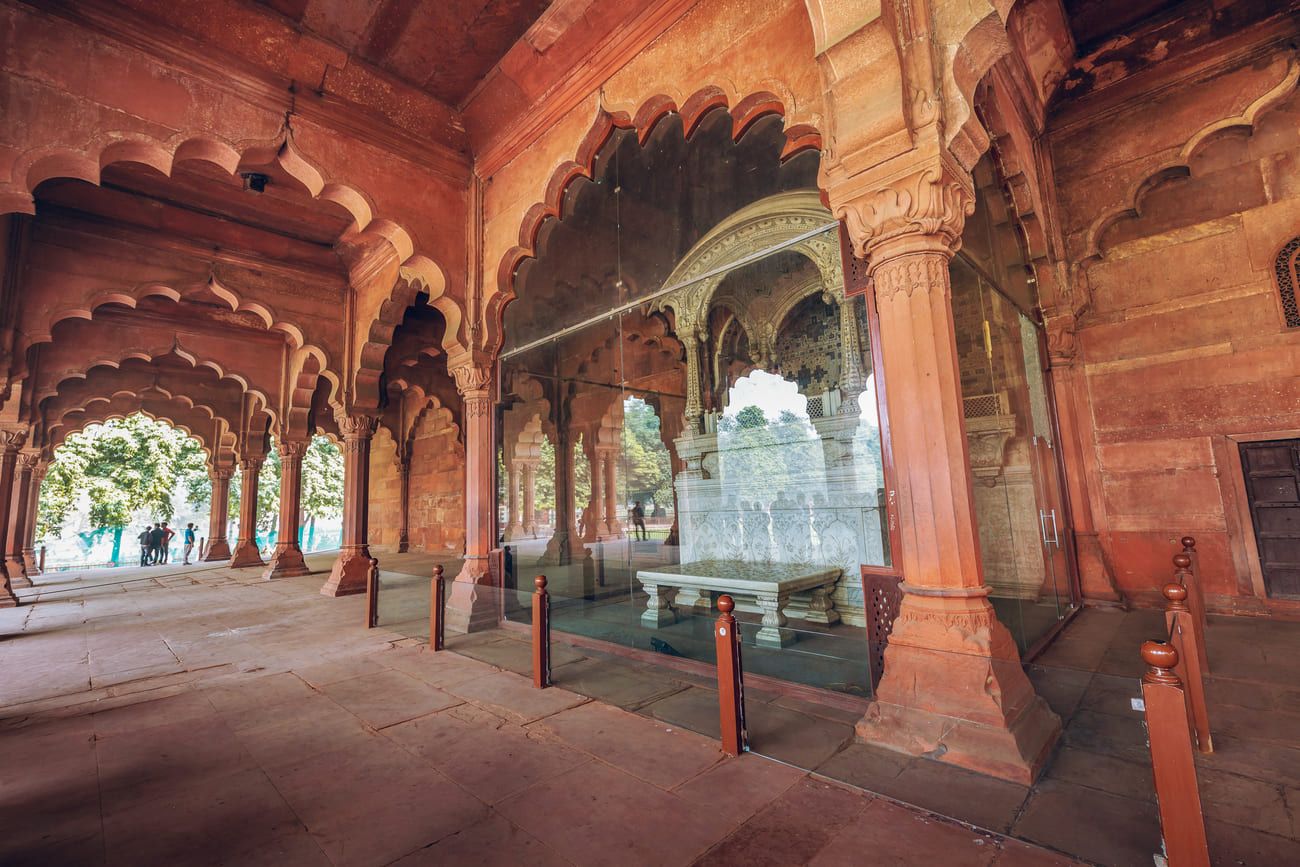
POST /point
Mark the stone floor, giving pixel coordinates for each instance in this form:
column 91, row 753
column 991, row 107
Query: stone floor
column 1095, row 800
column 204, row 716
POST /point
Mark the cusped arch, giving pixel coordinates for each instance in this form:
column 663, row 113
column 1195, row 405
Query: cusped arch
column 745, row 111
column 1179, row 164
column 196, row 420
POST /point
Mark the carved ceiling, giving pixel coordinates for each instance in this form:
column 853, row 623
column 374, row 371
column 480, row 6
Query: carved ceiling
column 443, row 47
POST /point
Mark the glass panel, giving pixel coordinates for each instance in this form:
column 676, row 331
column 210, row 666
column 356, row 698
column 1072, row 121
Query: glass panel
column 646, row 475
column 1013, row 462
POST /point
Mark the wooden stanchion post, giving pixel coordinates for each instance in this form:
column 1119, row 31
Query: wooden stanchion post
column 1169, row 735
column 541, row 634
column 1195, row 603
column 41, row 565
column 1178, row 617
column 731, row 685
column 437, row 610
column 372, row 594
column 1198, row 579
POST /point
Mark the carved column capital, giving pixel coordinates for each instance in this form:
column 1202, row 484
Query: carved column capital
column 291, row 449
column 921, row 208
column 356, row 427
column 221, row 474
column 1062, row 343
column 12, row 440
column 251, row 464
column 28, row 461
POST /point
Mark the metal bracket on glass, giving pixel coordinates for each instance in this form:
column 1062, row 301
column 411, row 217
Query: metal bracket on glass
column 1055, row 538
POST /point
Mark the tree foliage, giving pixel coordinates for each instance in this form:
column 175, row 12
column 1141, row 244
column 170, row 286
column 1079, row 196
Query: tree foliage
column 133, row 464
column 122, row 466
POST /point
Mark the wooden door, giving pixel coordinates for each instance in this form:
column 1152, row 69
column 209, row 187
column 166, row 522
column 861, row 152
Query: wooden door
column 1272, row 472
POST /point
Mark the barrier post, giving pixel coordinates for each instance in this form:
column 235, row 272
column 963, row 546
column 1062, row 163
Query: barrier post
column 1184, row 575
column 372, row 594
column 1182, row 825
column 541, row 634
column 437, row 610
column 41, row 565
column 731, row 684
column 1178, row 617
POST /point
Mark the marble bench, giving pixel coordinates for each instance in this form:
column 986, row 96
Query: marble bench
column 768, row 585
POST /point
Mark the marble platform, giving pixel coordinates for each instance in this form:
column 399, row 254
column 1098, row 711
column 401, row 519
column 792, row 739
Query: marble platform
column 769, row 586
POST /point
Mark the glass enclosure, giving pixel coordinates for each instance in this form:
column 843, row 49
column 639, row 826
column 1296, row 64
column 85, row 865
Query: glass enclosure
column 688, row 408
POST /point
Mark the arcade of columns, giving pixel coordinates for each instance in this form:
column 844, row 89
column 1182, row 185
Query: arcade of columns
column 365, row 256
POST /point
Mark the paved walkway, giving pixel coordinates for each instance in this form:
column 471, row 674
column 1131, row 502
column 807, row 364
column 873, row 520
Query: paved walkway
column 205, row 716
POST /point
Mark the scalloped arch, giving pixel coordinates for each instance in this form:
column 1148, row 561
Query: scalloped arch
column 1179, row 164
column 745, row 111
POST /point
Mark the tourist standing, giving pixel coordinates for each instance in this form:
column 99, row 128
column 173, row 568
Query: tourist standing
column 156, row 536
column 638, row 522
column 168, row 535
column 144, row 544
column 189, row 543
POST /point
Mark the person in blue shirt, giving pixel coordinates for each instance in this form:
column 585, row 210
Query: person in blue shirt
column 189, row 542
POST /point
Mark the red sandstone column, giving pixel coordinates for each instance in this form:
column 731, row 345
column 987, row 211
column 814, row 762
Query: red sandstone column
column 470, row 603
column 404, row 501
column 530, row 499
column 286, row 561
column 348, row 576
column 219, row 515
column 953, row 686
column 246, row 552
column 33, row 503
column 14, row 562
column 609, row 466
column 10, row 442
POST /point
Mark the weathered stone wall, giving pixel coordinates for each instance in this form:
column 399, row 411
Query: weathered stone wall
column 1184, row 346
column 437, row 506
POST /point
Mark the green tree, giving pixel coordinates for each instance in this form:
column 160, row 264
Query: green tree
column 121, row 466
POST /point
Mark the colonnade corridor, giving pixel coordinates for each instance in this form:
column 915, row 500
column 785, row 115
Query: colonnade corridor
column 203, row 715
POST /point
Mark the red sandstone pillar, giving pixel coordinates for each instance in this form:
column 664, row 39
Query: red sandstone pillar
column 471, row 603
column 33, row 502
column 219, row 515
column 348, row 576
column 404, row 501
column 953, row 686
column 10, row 442
column 286, row 561
column 17, row 535
column 246, row 552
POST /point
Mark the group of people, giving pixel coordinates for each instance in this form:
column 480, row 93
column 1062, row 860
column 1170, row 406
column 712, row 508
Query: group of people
column 156, row 542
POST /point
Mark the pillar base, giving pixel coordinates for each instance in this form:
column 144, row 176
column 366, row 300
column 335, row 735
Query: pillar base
column 286, row 562
column 246, row 554
column 17, row 570
column 954, row 691
column 7, row 597
column 31, row 562
column 348, row 574
column 218, row 549
column 472, row 599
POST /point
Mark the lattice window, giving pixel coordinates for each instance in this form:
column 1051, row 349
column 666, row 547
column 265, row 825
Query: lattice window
column 982, row 405
column 884, row 596
column 855, row 269
column 1287, row 279
column 816, row 407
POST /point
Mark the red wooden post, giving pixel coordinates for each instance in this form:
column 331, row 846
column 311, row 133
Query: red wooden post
column 41, row 566
column 437, row 610
column 731, row 685
column 541, row 634
column 1196, row 603
column 1178, row 617
column 1170, row 738
column 1198, row 587
column 372, row 594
